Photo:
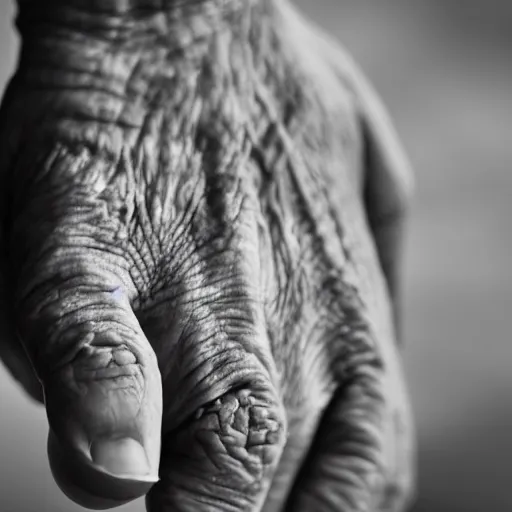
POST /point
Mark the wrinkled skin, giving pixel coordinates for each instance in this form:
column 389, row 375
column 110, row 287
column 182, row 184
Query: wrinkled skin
column 202, row 205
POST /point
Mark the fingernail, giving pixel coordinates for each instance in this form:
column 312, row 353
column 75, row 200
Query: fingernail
column 121, row 458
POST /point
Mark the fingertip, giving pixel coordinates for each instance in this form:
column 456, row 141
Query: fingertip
column 112, row 478
column 105, row 415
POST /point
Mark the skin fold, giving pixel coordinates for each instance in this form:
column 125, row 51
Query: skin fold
column 202, row 205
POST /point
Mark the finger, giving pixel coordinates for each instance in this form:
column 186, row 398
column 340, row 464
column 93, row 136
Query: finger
column 361, row 458
column 224, row 458
column 101, row 381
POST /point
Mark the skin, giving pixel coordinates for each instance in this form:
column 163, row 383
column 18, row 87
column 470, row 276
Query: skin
column 201, row 214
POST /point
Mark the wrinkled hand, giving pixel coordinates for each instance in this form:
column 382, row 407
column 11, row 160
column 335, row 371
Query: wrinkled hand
column 206, row 305
column 187, row 401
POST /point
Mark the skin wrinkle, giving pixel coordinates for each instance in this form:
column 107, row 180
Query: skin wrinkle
column 223, row 428
column 61, row 355
column 218, row 209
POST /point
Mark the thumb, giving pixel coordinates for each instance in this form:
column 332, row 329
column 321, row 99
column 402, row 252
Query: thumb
column 102, row 392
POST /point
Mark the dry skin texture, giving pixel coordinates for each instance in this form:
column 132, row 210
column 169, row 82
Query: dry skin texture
column 202, row 205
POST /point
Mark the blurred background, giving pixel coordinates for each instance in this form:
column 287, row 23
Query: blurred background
column 443, row 68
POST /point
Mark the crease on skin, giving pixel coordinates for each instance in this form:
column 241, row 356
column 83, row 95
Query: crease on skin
column 224, row 427
column 238, row 181
column 158, row 60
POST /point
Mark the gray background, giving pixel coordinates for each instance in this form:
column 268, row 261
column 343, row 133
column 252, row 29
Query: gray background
column 443, row 68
